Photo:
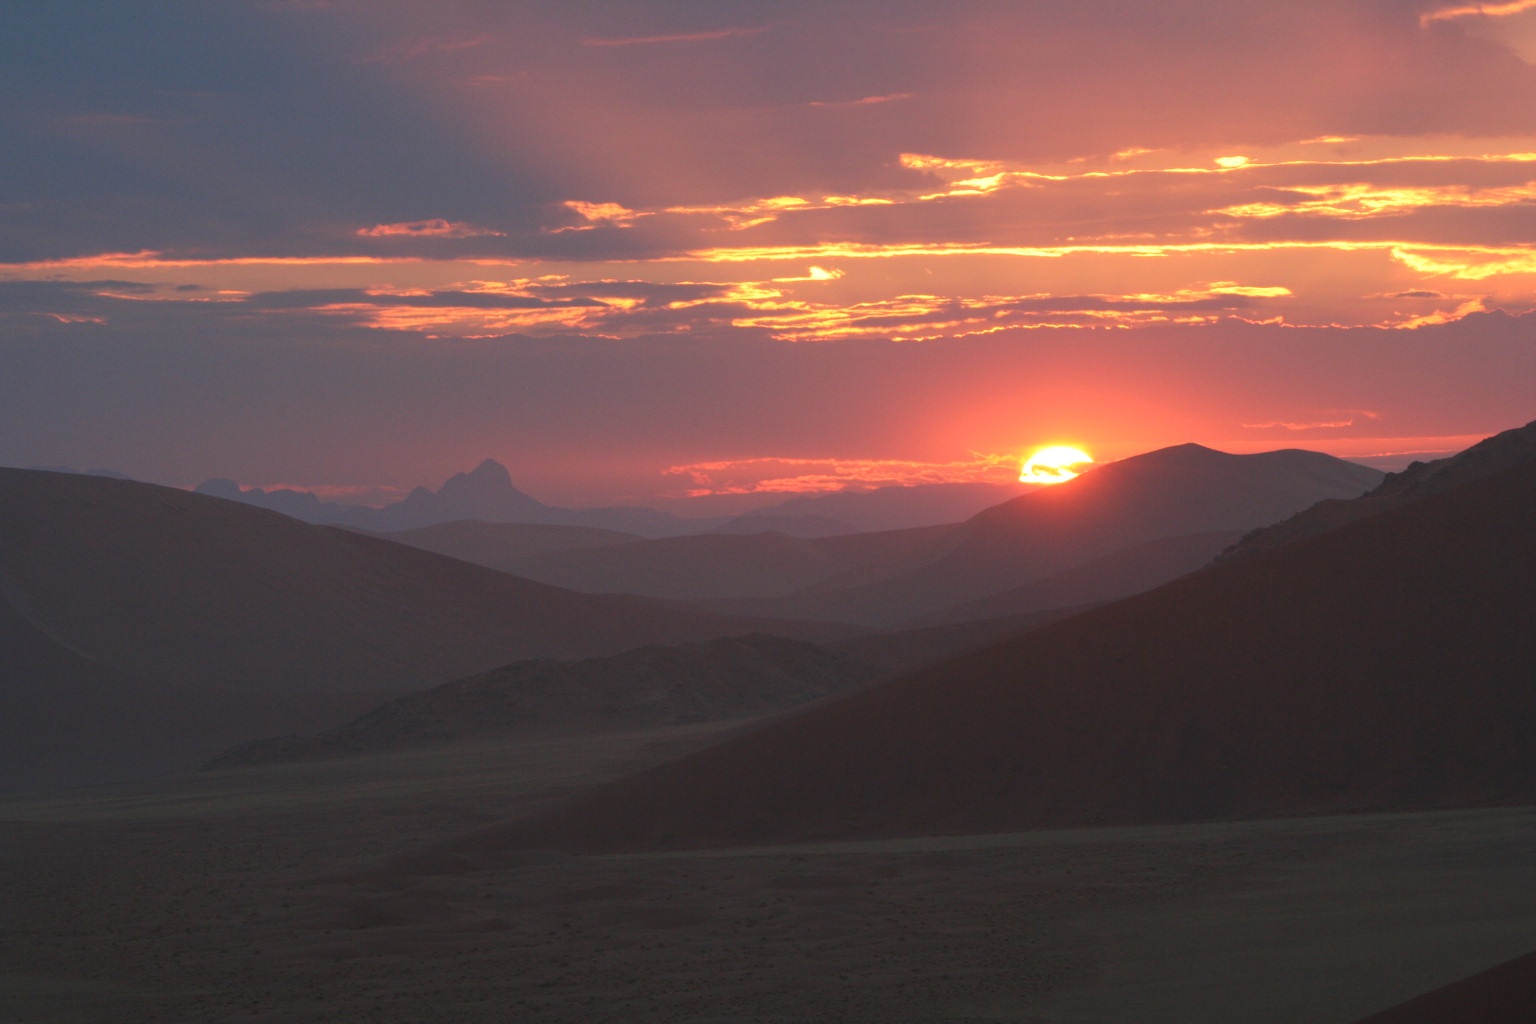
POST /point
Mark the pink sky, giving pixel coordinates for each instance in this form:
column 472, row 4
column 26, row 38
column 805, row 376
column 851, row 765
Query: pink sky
column 640, row 250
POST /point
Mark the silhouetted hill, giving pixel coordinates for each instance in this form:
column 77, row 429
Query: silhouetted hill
column 733, row 677
column 1505, row 994
column 1388, row 664
column 272, row 624
column 1187, row 489
column 1421, row 479
column 886, row 578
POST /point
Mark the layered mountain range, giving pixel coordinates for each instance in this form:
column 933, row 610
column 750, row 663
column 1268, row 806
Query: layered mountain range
column 487, row 494
column 1143, row 520
column 1388, row 663
column 145, row 627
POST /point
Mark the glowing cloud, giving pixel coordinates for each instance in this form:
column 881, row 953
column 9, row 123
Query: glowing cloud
column 787, row 475
column 1476, row 11
column 601, row 214
column 436, row 228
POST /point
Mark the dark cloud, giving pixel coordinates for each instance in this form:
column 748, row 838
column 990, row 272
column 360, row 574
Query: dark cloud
column 245, row 128
column 218, row 129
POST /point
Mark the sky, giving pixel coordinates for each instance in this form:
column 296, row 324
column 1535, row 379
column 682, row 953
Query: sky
column 637, row 251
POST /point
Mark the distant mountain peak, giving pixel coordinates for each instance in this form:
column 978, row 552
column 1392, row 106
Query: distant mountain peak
column 488, row 478
column 489, row 469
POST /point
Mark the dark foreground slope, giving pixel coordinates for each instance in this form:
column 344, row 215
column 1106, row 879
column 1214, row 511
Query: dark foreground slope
column 1387, row 664
column 1492, row 455
column 1505, row 994
column 207, row 622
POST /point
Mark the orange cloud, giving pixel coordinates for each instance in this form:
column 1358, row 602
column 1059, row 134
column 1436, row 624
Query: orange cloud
column 1476, row 11
column 460, row 321
column 1468, row 264
column 1442, row 317
column 1321, row 425
column 148, row 258
column 436, row 228
column 784, row 475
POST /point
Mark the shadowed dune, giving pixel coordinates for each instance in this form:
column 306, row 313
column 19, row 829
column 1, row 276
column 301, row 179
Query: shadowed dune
column 1505, row 994
column 260, row 622
column 1384, row 665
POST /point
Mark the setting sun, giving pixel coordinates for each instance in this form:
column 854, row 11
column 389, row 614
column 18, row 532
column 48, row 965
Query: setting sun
column 1053, row 464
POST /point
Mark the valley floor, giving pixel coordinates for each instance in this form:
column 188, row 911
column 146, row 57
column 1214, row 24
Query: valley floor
column 256, row 895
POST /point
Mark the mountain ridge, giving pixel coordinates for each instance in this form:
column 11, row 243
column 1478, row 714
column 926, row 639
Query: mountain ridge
column 1180, row 490
column 1386, row 664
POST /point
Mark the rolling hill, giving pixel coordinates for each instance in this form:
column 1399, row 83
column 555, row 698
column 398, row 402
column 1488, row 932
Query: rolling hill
column 238, row 622
column 1126, row 516
column 1421, row 479
column 1386, row 664
column 1171, row 492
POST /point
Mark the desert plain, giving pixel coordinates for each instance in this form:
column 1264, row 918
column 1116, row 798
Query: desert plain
column 309, row 892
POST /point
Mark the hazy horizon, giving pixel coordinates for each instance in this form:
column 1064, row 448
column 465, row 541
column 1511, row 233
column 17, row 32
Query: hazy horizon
column 706, row 505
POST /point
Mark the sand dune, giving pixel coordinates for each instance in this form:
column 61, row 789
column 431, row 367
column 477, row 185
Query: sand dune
column 1386, row 664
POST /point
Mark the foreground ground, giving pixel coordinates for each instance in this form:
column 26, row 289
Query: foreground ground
column 256, row 896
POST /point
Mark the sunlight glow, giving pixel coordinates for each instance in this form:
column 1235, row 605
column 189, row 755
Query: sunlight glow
column 1053, row 464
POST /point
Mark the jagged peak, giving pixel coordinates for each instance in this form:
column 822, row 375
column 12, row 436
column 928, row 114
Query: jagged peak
column 490, row 468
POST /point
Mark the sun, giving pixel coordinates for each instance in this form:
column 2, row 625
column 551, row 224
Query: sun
column 1053, row 464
